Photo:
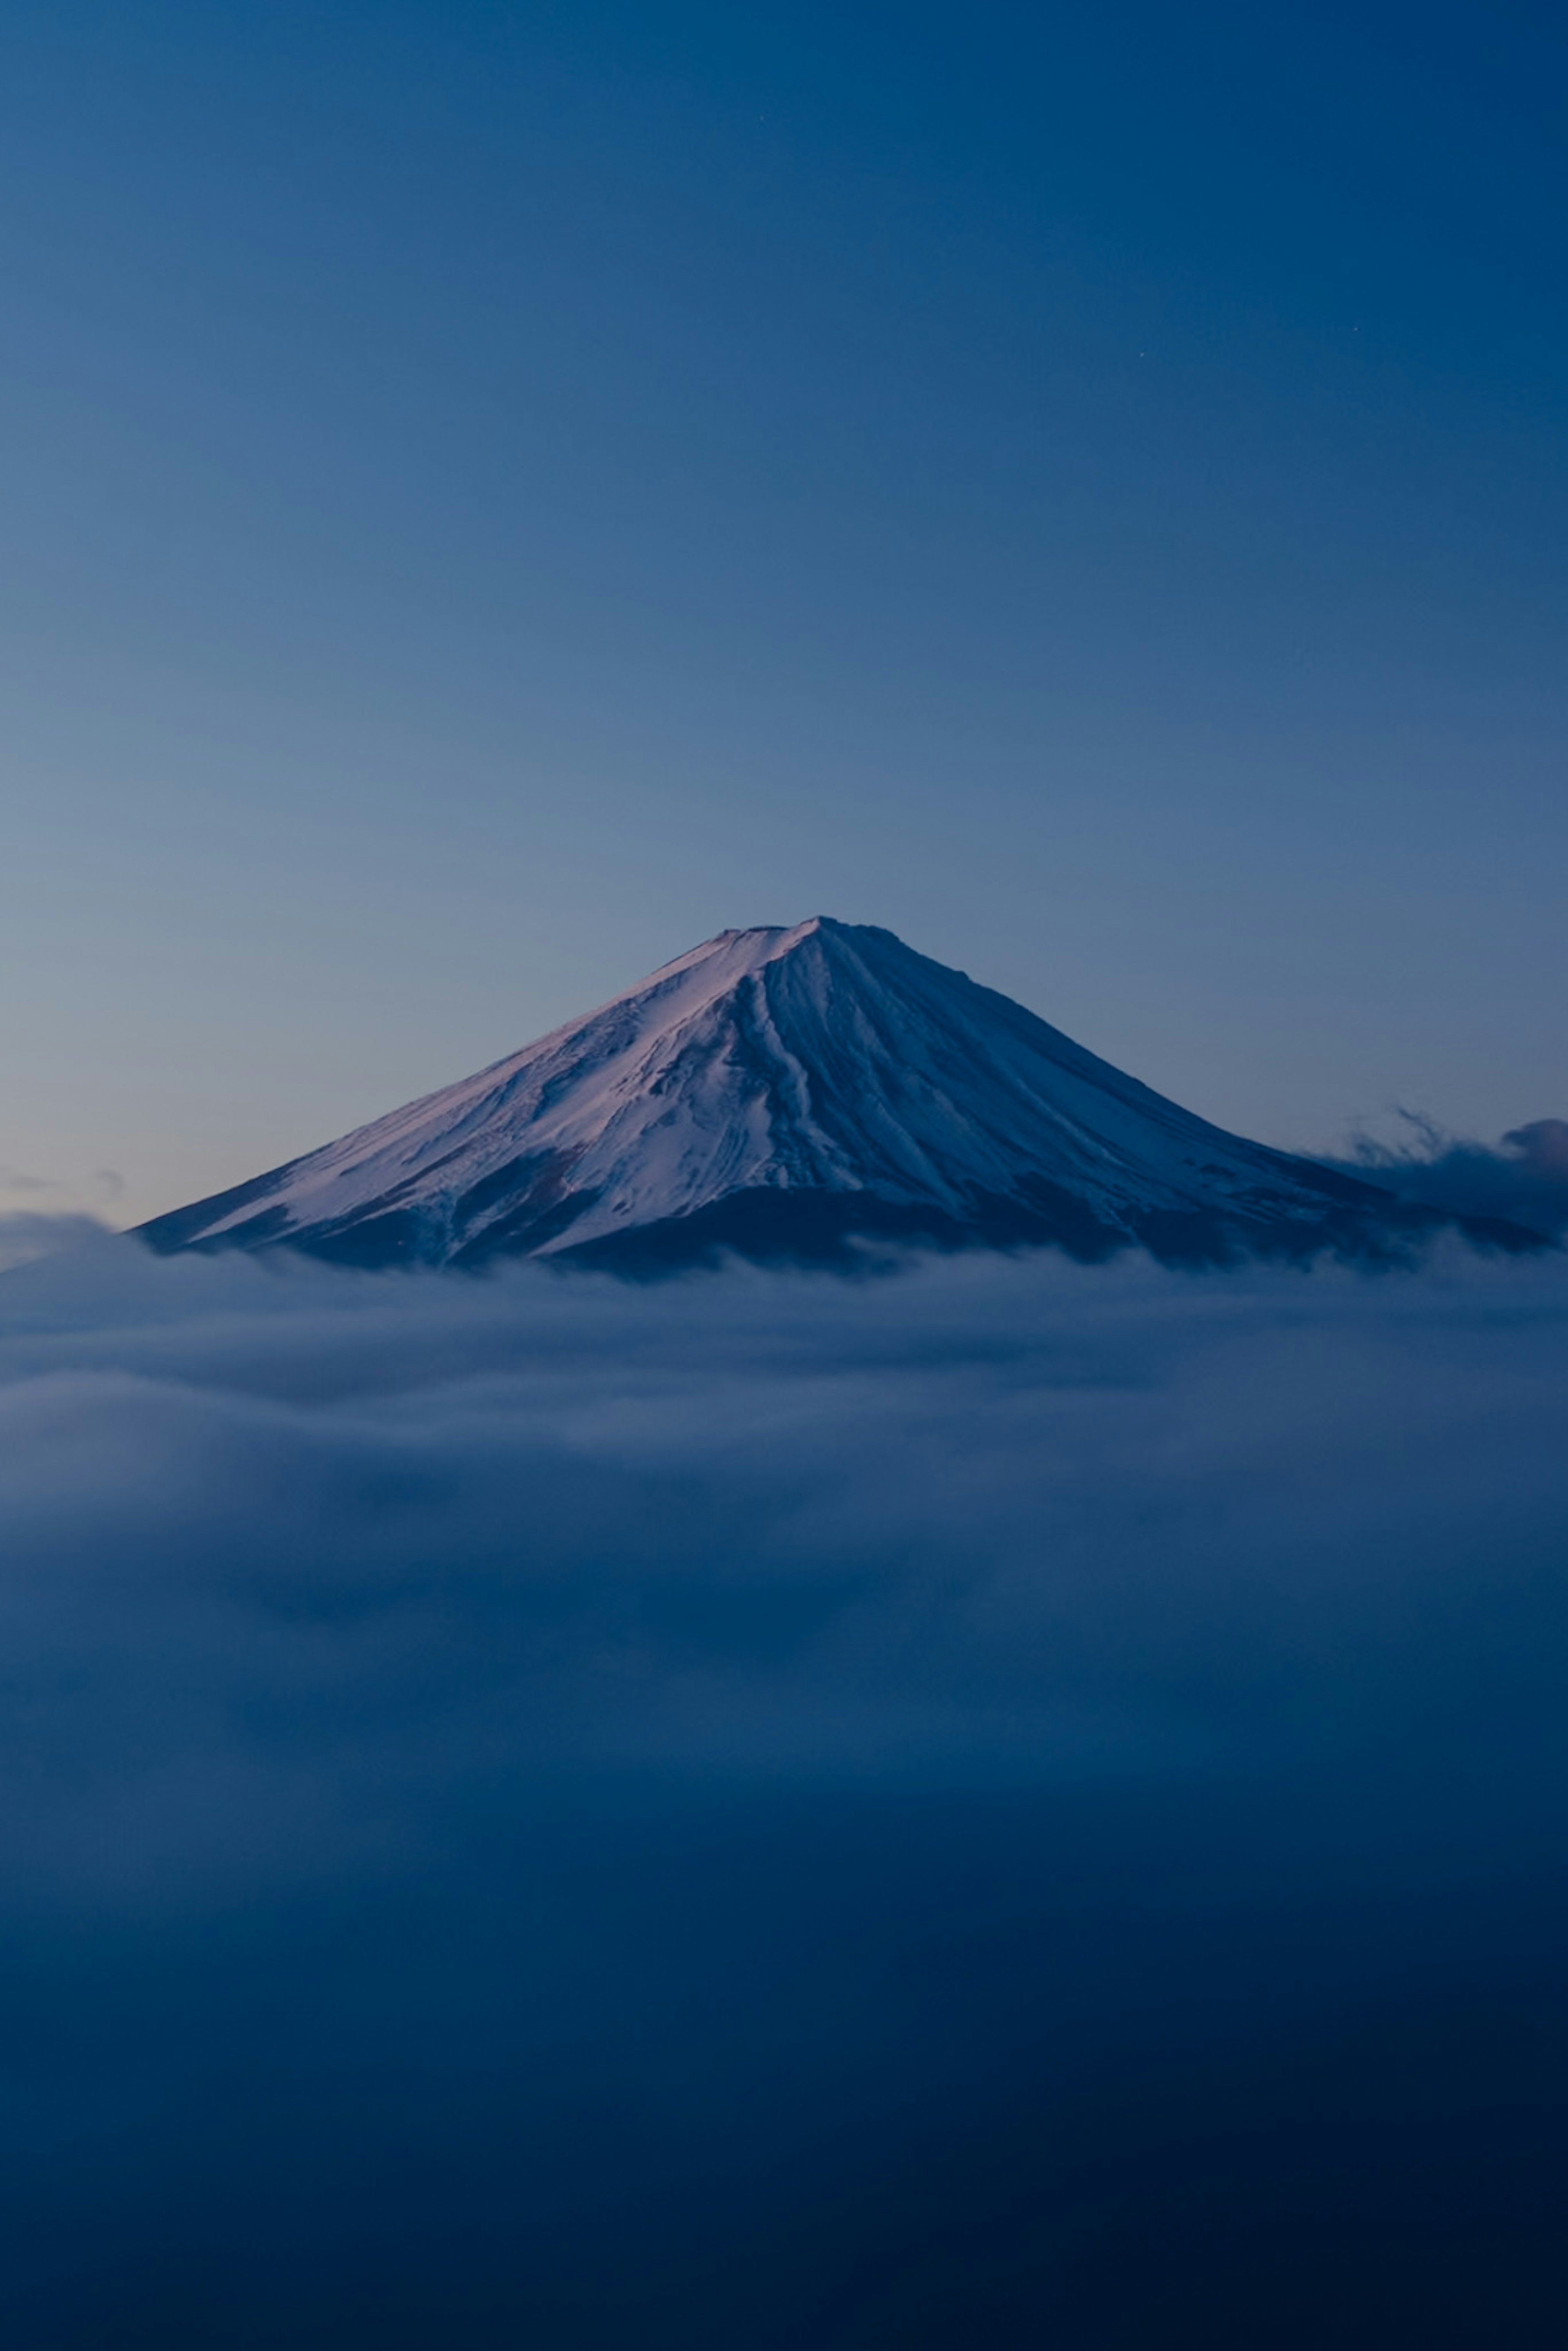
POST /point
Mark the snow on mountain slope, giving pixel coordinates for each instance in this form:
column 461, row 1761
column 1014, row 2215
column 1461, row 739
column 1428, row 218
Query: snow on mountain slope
column 782, row 1091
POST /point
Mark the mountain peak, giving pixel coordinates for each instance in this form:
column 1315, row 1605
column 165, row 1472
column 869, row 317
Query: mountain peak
column 786, row 1090
column 746, row 950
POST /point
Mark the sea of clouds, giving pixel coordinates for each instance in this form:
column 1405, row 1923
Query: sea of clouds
column 781, row 1809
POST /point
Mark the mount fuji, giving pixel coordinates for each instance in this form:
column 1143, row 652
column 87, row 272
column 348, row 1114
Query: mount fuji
column 813, row 1095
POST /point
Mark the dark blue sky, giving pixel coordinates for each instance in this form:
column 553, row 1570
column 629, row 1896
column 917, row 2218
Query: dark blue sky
column 493, row 495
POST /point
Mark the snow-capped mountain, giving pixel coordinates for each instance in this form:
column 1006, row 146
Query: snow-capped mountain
column 789, row 1092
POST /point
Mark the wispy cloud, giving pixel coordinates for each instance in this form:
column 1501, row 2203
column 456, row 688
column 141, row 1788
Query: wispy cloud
column 18, row 1180
column 1524, row 1179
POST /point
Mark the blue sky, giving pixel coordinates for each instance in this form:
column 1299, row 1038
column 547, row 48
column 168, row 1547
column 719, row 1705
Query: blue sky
column 495, row 494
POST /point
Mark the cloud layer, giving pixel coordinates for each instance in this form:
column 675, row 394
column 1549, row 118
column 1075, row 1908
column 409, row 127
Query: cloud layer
column 543, row 1795
column 1525, row 1179
column 28, row 1234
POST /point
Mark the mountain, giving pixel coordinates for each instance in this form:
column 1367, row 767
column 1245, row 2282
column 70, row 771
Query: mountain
column 800, row 1094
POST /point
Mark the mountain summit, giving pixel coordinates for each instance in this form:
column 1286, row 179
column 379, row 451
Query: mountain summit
column 791, row 1093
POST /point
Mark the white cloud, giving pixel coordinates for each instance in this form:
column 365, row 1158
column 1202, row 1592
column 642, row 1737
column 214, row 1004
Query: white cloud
column 538, row 1811
column 1011, row 1516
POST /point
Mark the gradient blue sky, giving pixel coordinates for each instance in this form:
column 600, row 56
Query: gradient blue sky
column 493, row 494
